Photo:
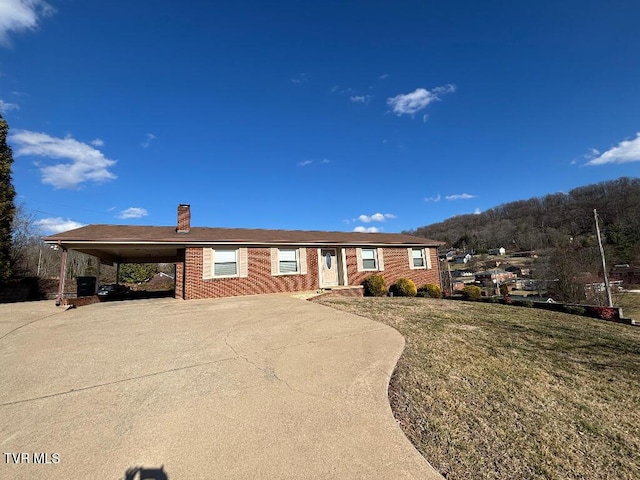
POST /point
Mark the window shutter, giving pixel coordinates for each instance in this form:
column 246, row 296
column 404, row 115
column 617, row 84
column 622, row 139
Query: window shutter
column 274, row 261
column 380, row 260
column 427, row 257
column 410, row 255
column 359, row 259
column 243, row 267
column 207, row 263
column 303, row 261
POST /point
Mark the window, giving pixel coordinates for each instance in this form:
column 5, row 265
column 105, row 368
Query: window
column 369, row 260
column 417, row 254
column 226, row 263
column 288, row 261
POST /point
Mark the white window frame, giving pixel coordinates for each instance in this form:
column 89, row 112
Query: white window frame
column 375, row 260
column 297, row 254
column 237, row 262
column 426, row 260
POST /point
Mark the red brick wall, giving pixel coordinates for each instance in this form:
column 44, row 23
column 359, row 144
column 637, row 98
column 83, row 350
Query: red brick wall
column 396, row 265
column 260, row 280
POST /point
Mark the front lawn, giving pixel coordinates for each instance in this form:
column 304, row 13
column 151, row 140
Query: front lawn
column 501, row 392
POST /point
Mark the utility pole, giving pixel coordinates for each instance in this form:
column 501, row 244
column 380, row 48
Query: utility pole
column 607, row 287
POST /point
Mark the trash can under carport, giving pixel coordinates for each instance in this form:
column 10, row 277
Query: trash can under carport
column 86, row 286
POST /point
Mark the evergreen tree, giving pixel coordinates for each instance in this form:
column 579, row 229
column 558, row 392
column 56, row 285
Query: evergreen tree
column 7, row 207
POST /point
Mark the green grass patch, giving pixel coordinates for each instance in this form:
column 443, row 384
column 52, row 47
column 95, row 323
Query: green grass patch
column 489, row 391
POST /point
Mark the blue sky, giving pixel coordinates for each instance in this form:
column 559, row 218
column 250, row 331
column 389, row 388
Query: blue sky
column 341, row 115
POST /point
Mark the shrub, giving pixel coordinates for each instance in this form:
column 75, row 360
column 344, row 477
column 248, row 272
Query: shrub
column 430, row 290
column 405, row 287
column 574, row 309
column 374, row 286
column 507, row 300
column 604, row 313
column 523, row 303
column 472, row 292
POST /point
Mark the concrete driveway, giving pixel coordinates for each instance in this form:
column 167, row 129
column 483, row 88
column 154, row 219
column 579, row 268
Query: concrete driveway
column 254, row 387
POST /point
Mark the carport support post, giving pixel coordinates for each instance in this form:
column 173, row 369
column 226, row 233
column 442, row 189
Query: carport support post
column 95, row 292
column 63, row 276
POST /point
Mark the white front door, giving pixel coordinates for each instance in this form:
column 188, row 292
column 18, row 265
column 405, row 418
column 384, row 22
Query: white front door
column 328, row 267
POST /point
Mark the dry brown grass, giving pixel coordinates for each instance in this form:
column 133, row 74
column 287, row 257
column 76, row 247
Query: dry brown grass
column 630, row 303
column 498, row 392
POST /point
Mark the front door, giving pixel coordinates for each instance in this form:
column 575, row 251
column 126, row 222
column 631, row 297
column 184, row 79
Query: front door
column 328, row 268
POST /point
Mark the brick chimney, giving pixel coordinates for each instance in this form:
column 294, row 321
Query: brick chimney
column 184, row 218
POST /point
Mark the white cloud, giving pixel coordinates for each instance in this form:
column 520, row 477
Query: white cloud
column 437, row 198
column 325, row 160
column 411, row 103
column 148, row 138
column 57, row 224
column 383, row 76
column 7, row 107
column 376, row 217
column 626, row 151
column 86, row 164
column 477, row 211
column 298, row 79
column 19, row 15
column 133, row 212
column 97, row 142
column 304, row 163
column 461, row 196
column 360, row 98
column 362, row 229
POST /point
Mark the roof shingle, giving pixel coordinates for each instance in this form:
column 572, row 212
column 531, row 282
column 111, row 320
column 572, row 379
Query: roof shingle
column 154, row 234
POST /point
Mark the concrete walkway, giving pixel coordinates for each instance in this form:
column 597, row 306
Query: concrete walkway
column 256, row 387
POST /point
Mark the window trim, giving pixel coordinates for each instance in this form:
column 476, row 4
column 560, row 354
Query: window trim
column 375, row 260
column 237, row 262
column 297, row 253
column 423, row 256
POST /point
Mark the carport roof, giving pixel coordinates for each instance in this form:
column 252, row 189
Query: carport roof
column 142, row 244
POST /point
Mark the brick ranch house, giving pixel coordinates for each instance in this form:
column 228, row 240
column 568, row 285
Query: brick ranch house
column 224, row 262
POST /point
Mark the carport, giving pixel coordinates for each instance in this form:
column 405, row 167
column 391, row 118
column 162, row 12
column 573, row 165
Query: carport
column 113, row 251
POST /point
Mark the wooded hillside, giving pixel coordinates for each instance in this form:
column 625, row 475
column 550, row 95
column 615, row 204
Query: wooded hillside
column 554, row 220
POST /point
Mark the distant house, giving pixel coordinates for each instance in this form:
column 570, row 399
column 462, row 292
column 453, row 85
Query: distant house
column 628, row 274
column 461, row 259
column 495, row 276
column 448, row 256
column 223, row 262
column 595, row 284
column 497, row 251
column 519, row 271
column 463, row 276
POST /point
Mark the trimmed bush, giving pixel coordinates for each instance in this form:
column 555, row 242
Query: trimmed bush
column 576, row 310
column 523, row 303
column 374, row 286
column 430, row 290
column 472, row 292
column 405, row 287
